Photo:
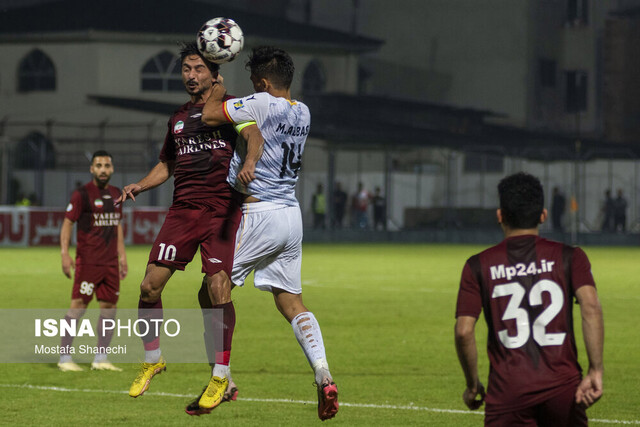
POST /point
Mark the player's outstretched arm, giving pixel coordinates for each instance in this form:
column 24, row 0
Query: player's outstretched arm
column 158, row 175
column 65, row 239
column 212, row 112
column 255, row 145
column 473, row 395
column 590, row 389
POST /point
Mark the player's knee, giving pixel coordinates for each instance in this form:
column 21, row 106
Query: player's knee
column 148, row 292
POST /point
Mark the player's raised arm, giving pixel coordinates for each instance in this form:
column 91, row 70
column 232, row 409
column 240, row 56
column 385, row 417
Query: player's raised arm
column 590, row 389
column 159, row 174
column 65, row 239
column 212, row 112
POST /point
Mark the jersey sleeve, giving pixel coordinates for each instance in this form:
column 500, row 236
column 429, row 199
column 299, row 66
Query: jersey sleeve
column 168, row 151
column 469, row 294
column 250, row 108
column 581, row 270
column 74, row 208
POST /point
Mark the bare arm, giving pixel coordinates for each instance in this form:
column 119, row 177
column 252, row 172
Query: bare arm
column 122, row 256
column 255, row 145
column 159, row 174
column 468, row 356
column 590, row 389
column 65, row 239
column 212, row 113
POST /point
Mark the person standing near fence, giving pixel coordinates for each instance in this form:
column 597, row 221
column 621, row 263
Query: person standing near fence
column 101, row 261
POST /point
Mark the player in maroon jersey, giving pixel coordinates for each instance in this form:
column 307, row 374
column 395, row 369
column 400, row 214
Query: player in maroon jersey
column 100, row 262
column 526, row 286
column 205, row 213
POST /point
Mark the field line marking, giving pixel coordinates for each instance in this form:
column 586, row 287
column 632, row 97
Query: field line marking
column 304, row 402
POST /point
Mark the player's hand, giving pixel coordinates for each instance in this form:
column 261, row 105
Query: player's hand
column 128, row 192
column 124, row 268
column 474, row 397
column 67, row 265
column 247, row 174
column 590, row 389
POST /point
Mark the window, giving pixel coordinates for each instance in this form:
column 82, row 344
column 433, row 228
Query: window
column 577, row 12
column 313, row 79
column 162, row 73
column 547, row 69
column 36, row 72
column 576, row 95
column 483, row 163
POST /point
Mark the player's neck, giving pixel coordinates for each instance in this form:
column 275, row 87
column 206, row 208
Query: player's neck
column 515, row 232
column 100, row 185
column 280, row 93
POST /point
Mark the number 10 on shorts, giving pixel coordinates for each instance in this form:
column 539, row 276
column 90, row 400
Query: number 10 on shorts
column 167, row 253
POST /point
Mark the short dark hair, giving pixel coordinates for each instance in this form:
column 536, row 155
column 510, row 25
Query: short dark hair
column 100, row 153
column 521, row 200
column 191, row 48
column 273, row 64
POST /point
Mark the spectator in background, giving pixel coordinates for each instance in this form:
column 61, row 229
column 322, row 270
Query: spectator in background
column 620, row 212
column 319, row 206
column 379, row 210
column 558, row 203
column 360, row 206
column 339, row 206
column 607, row 209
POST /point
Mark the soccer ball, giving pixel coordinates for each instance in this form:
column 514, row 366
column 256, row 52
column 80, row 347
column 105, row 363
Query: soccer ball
column 220, row 40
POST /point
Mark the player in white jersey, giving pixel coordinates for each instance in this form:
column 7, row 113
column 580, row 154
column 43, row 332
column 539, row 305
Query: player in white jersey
column 269, row 240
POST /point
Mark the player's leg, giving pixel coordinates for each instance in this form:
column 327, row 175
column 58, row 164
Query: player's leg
column 309, row 336
column 76, row 311
column 107, row 293
column 222, row 322
column 150, row 311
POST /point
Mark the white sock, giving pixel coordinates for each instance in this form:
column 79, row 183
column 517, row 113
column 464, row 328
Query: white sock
column 100, row 357
column 309, row 336
column 152, row 356
column 221, row 371
column 65, row 358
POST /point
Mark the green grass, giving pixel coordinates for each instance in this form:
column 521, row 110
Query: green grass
column 387, row 315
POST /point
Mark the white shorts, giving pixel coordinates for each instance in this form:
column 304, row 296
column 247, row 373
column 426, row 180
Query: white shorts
column 269, row 241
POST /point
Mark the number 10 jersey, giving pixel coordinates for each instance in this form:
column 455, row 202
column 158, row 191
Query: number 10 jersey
column 526, row 286
column 284, row 125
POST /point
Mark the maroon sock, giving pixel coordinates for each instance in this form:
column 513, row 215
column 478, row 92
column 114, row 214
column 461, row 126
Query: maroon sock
column 104, row 335
column 149, row 311
column 66, row 340
column 227, row 326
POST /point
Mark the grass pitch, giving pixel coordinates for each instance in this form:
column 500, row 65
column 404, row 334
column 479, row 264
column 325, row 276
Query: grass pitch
column 386, row 313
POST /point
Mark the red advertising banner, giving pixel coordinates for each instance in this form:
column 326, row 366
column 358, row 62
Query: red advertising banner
column 23, row 226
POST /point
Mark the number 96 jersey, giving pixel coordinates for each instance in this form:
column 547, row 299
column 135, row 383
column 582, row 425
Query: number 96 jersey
column 284, row 125
column 526, row 286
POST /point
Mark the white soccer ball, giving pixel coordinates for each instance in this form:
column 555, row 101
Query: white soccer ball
column 220, row 40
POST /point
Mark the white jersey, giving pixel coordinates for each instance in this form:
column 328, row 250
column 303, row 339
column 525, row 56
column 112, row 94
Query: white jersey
column 284, row 126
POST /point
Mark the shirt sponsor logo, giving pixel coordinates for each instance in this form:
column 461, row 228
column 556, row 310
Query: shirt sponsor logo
column 69, row 207
column 106, row 219
column 200, row 142
column 238, row 105
column 520, row 270
column 177, row 128
column 98, row 203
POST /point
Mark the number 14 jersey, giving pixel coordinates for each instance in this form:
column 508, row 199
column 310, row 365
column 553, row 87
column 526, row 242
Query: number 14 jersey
column 526, row 286
column 284, row 125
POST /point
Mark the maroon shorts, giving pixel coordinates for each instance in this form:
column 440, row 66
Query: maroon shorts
column 103, row 281
column 559, row 410
column 186, row 228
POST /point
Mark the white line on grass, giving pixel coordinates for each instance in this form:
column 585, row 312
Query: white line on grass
column 410, row 407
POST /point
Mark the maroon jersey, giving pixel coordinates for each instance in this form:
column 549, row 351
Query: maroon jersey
column 526, row 285
column 201, row 153
column 97, row 224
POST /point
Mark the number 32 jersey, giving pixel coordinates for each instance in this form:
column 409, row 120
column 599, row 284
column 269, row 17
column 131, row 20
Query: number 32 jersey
column 526, row 286
column 284, row 125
